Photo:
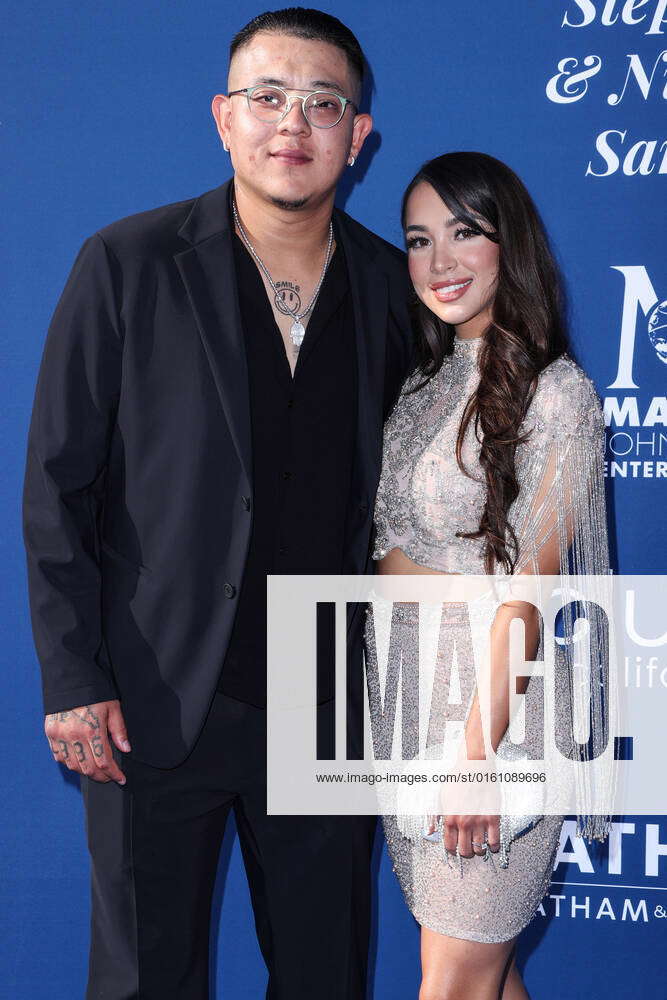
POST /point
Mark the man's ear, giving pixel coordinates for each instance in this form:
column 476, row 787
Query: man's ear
column 363, row 126
column 221, row 109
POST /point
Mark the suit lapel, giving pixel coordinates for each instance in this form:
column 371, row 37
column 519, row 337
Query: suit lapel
column 207, row 271
column 369, row 293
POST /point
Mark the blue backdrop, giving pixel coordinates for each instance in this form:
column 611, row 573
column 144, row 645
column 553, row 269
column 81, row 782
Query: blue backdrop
column 106, row 112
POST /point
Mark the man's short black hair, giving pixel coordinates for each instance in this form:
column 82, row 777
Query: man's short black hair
column 304, row 22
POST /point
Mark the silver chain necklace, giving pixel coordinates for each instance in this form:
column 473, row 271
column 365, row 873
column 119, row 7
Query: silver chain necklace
column 297, row 329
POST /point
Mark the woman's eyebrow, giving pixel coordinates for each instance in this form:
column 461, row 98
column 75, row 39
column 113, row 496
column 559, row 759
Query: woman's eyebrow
column 449, row 224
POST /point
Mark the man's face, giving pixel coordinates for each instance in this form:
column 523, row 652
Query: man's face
column 289, row 163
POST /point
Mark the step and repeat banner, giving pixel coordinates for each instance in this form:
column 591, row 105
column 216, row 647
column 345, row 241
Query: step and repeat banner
column 105, row 112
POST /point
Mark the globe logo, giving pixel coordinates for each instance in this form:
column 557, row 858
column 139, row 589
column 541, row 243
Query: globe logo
column 657, row 330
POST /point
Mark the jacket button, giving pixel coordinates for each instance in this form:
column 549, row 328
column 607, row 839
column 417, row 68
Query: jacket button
column 230, row 590
column 246, row 502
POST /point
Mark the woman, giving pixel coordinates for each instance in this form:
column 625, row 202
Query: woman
column 492, row 464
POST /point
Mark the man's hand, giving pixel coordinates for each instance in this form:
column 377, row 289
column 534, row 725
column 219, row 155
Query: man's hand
column 79, row 739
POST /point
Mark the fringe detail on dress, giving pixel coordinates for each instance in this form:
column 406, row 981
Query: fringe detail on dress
column 560, row 512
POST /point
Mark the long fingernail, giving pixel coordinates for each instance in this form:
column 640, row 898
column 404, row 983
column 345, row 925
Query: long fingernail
column 121, row 781
column 124, row 745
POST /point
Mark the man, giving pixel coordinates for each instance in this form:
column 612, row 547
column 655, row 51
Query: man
column 183, row 446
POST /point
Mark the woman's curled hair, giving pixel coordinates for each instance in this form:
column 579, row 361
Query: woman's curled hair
column 526, row 334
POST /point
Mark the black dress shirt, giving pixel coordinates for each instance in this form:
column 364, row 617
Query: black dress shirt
column 303, row 440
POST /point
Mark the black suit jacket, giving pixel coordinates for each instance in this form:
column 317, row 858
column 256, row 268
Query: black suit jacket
column 138, row 490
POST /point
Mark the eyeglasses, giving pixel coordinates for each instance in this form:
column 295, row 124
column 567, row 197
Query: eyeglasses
column 271, row 104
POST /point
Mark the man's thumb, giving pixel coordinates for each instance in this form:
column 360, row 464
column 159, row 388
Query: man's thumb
column 117, row 728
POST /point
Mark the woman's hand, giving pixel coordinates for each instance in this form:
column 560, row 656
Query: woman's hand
column 471, row 834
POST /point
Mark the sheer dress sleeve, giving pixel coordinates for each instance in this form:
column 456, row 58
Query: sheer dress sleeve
column 559, row 519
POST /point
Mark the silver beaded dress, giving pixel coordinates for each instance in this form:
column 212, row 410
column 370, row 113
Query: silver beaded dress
column 423, row 500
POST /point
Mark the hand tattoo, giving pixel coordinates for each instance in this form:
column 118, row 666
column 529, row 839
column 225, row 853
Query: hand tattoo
column 90, row 720
column 88, row 717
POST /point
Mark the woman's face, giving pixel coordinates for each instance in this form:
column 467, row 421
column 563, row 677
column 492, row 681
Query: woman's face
column 453, row 269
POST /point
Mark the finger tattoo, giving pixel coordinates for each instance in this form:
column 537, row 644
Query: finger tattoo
column 63, row 749
column 79, row 751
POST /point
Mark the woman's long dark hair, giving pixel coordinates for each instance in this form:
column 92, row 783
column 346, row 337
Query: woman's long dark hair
column 526, row 334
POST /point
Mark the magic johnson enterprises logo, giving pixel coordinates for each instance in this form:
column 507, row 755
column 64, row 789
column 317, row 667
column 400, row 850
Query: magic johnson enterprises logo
column 581, row 75
column 637, row 427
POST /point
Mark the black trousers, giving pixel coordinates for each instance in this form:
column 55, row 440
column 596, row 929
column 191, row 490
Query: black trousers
column 155, row 845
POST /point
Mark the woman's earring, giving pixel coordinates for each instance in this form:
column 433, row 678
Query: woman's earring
column 351, row 160
column 225, row 146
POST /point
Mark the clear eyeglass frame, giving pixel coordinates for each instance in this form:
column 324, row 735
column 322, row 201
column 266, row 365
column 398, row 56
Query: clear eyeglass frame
column 290, row 100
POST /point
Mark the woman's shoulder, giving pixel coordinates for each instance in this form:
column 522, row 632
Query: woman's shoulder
column 565, row 397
